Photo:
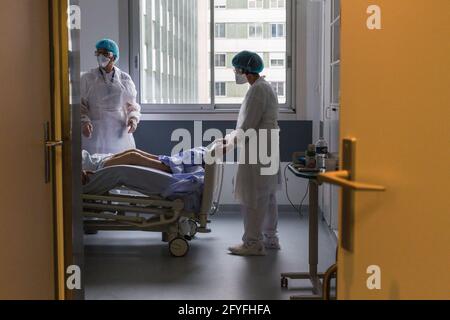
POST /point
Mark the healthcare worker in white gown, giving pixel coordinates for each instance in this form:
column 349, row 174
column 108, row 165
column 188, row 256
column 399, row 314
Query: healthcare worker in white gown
column 256, row 190
column 110, row 113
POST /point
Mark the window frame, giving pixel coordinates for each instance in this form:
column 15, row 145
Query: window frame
column 212, row 107
column 277, row 25
column 332, row 61
column 278, row 4
column 256, row 25
column 256, row 4
column 224, row 30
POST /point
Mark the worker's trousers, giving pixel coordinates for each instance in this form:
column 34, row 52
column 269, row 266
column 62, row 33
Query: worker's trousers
column 261, row 221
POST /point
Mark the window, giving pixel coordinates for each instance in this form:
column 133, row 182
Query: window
column 277, row 63
column 255, row 31
column 220, row 60
column 335, row 58
column 277, row 30
column 221, row 89
column 277, row 4
column 277, row 60
column 220, row 4
column 279, row 88
column 174, row 68
column 220, row 30
column 255, row 4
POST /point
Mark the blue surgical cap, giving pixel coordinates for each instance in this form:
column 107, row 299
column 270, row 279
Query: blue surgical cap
column 110, row 46
column 248, row 61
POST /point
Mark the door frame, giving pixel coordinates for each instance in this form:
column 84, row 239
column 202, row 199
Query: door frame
column 62, row 131
column 331, row 109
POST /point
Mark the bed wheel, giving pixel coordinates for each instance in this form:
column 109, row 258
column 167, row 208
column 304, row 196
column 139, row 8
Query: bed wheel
column 179, row 247
column 193, row 227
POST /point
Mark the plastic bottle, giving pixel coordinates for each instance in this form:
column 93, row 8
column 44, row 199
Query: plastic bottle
column 321, row 153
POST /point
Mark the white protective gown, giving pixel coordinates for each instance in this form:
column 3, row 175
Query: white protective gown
column 255, row 191
column 259, row 110
column 108, row 101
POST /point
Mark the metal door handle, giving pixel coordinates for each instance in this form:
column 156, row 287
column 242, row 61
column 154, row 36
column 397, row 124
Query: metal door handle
column 340, row 178
column 49, row 146
column 347, row 180
column 54, row 144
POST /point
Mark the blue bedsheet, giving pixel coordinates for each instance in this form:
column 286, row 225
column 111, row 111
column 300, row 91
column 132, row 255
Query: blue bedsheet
column 188, row 169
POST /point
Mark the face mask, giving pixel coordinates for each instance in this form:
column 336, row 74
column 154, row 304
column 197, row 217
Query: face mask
column 103, row 61
column 241, row 78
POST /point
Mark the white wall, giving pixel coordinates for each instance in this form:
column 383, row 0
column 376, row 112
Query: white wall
column 99, row 19
column 309, row 63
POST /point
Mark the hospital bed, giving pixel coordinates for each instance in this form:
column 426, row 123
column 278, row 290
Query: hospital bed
column 129, row 198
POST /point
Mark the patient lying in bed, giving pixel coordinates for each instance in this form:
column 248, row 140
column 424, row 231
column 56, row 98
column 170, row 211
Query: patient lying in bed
column 184, row 164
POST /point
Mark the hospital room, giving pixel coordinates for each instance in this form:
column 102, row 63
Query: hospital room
column 168, row 52
column 225, row 150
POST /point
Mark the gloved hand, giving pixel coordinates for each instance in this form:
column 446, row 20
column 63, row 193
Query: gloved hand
column 132, row 124
column 228, row 143
column 88, row 129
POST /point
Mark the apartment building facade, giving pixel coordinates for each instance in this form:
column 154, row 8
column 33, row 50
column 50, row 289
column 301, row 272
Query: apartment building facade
column 255, row 25
column 176, row 48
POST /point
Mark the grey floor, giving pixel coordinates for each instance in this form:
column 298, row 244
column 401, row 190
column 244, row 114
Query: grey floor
column 136, row 265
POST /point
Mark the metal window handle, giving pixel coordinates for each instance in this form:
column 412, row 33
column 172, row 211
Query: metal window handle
column 340, row 178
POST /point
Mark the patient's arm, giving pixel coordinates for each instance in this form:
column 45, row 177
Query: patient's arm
column 147, row 155
column 137, row 159
column 143, row 153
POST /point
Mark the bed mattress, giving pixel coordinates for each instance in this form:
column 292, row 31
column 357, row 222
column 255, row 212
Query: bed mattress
column 148, row 182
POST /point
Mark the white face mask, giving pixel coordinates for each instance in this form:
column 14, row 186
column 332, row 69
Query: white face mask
column 103, row 61
column 241, row 78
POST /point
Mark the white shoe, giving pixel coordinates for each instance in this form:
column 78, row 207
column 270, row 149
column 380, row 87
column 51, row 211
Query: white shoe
column 272, row 243
column 248, row 250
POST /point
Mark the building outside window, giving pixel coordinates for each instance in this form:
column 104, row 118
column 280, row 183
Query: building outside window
column 176, row 66
column 277, row 60
column 277, row 30
column 220, row 30
column 220, row 60
column 221, row 89
column 255, row 31
column 220, row 4
column 279, row 88
column 277, row 4
column 255, row 4
column 256, row 26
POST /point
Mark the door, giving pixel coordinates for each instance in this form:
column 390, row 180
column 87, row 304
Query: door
column 65, row 32
column 394, row 244
column 27, row 228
